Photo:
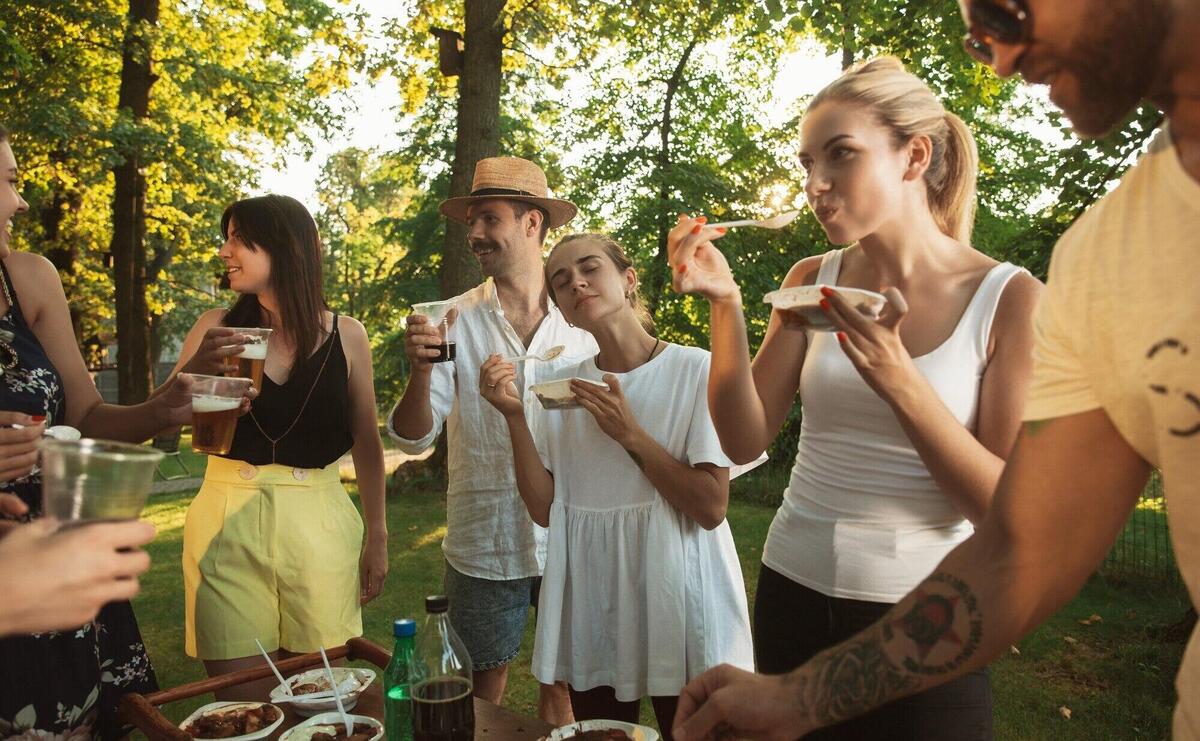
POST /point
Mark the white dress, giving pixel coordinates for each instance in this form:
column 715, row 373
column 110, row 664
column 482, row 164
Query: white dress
column 636, row 595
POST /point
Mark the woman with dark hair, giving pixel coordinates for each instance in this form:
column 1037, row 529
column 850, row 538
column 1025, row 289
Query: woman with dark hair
column 62, row 682
column 642, row 590
column 273, row 546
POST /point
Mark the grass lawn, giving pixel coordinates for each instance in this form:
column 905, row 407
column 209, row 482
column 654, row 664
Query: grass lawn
column 1114, row 675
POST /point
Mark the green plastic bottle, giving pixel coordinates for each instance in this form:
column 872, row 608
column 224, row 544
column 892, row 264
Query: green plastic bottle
column 397, row 703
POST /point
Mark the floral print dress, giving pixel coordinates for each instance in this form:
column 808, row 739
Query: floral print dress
column 62, row 684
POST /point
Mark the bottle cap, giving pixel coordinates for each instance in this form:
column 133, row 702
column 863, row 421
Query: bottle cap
column 435, row 603
column 404, row 628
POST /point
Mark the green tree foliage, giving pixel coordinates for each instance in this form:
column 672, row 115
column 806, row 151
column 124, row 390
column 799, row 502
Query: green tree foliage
column 234, row 80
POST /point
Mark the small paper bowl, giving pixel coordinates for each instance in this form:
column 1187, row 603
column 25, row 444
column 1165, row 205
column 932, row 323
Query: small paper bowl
column 634, row 731
column 558, row 394
column 226, row 705
column 435, row 311
column 307, row 708
column 299, row 731
column 804, row 302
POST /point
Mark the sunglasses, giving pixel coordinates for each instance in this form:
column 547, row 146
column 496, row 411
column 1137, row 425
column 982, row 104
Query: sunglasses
column 995, row 21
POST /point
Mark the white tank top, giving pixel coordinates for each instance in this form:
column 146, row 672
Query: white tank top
column 862, row 517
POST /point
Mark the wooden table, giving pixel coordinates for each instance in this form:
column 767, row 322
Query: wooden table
column 491, row 721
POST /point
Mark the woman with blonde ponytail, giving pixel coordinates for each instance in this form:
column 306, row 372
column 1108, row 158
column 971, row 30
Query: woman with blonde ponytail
column 907, row 418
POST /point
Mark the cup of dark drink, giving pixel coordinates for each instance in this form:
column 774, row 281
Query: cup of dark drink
column 96, row 480
column 215, row 404
column 438, row 314
column 250, row 361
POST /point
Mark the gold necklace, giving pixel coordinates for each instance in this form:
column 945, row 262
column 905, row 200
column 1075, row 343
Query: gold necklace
column 275, row 440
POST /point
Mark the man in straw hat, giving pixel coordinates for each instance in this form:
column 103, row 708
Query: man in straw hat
column 494, row 552
column 1115, row 392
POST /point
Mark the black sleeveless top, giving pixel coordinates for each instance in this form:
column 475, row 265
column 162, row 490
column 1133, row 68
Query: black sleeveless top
column 321, row 434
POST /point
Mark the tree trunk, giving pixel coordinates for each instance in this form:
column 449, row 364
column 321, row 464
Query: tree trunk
column 847, row 34
column 478, row 133
column 661, row 269
column 128, row 245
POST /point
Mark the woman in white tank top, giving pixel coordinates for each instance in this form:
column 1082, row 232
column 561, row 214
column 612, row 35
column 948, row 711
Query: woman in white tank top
column 906, row 420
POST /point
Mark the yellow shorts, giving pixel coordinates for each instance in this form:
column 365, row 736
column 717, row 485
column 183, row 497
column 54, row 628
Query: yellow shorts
column 270, row 552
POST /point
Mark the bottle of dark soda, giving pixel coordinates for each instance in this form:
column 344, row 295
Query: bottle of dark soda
column 440, row 672
column 397, row 698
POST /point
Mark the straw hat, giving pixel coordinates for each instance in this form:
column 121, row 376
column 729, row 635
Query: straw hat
column 513, row 179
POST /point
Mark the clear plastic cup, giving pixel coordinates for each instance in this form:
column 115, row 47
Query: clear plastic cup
column 215, row 403
column 438, row 313
column 95, row 480
column 251, row 360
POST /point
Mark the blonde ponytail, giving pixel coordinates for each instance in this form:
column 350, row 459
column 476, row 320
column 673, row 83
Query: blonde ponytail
column 905, row 105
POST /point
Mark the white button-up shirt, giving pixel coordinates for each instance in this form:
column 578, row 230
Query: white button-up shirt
column 489, row 533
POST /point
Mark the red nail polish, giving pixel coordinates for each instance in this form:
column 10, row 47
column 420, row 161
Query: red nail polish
column 683, row 268
column 824, row 303
column 696, row 229
column 702, row 219
column 841, row 336
column 826, row 291
column 38, row 418
column 721, row 230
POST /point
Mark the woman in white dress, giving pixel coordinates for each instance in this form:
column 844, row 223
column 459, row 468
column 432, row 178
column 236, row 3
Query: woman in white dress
column 642, row 589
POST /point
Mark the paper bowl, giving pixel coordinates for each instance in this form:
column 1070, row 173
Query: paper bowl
column 634, row 731
column 805, row 303
column 435, row 311
column 558, row 394
column 303, row 731
column 228, row 706
column 306, row 708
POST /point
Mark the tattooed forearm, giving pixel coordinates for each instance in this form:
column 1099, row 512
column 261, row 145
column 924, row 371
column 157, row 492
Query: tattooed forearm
column 892, row 658
column 637, row 459
column 853, row 678
column 933, row 621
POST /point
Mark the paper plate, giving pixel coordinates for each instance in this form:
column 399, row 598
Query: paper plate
column 362, row 678
column 558, row 394
column 634, row 731
column 304, row 731
column 805, row 303
column 229, row 705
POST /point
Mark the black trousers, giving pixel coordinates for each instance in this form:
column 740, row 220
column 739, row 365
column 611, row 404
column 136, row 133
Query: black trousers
column 792, row 623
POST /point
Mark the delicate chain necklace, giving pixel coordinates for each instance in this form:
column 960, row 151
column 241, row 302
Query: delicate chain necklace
column 275, row 440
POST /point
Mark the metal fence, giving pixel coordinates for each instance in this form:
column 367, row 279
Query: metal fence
column 1143, row 549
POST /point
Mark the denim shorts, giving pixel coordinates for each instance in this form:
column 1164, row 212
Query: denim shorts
column 490, row 615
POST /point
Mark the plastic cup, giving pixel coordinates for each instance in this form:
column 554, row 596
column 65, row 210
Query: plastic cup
column 438, row 313
column 215, row 405
column 94, row 480
column 254, row 357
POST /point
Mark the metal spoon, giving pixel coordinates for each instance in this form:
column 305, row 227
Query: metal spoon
column 550, row 354
column 775, row 222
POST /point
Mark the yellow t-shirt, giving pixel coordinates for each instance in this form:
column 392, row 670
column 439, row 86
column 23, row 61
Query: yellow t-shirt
column 1119, row 328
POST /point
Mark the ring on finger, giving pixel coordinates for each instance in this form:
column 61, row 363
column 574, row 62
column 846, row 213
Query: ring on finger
column 491, row 385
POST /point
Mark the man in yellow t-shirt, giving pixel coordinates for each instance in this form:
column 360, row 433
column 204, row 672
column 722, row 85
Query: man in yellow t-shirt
column 1116, row 389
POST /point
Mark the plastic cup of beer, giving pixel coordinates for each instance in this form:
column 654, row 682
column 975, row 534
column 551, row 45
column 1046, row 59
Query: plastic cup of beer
column 251, row 360
column 96, row 480
column 215, row 403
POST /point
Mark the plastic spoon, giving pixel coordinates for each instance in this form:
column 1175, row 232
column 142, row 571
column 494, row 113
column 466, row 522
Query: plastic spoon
column 286, row 687
column 775, row 222
column 550, row 354
column 337, row 696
